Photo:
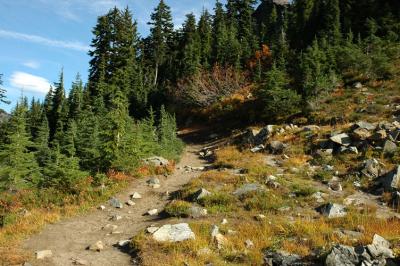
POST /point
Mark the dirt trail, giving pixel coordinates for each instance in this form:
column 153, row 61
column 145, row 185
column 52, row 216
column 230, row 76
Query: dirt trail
column 69, row 238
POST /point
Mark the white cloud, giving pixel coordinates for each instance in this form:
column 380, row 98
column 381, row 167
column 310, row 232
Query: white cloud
column 44, row 41
column 31, row 64
column 28, row 82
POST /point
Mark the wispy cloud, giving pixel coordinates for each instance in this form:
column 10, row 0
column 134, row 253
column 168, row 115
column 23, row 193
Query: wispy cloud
column 31, row 64
column 30, row 83
column 73, row 45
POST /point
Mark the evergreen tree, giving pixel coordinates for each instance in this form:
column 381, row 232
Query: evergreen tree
column 58, row 105
column 205, row 36
column 161, row 34
column 19, row 168
column 3, row 97
column 191, row 48
column 219, row 34
column 41, row 143
column 75, row 98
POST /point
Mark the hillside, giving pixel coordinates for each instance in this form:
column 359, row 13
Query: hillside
column 259, row 134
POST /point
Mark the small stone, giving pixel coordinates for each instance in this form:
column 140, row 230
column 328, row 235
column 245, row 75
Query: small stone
column 201, row 193
column 224, row 221
column 153, row 181
column 257, row 148
column 232, row 232
column 114, row 202
column 249, row 244
column 152, row 212
column 197, row 212
column 102, row 207
column 130, row 203
column 260, row 217
column 98, row 246
column 43, row 254
column 80, row 262
column 116, row 217
column 341, row 139
column 123, row 243
column 136, row 195
column 110, row 227
column 332, row 210
column 277, row 147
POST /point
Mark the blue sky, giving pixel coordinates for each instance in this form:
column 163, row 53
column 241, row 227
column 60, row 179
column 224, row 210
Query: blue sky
column 39, row 37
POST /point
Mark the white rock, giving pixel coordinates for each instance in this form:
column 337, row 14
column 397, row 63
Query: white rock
column 249, row 244
column 42, row 254
column 80, row 262
column 224, row 221
column 174, row 233
column 130, row 203
column 219, row 239
column 102, row 207
column 136, row 195
column 123, row 243
column 98, row 246
column 152, row 212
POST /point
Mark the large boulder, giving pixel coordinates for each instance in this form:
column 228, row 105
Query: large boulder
column 343, row 256
column 173, row 233
column 332, row 210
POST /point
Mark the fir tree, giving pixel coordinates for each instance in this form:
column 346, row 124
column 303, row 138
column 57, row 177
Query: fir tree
column 191, row 48
column 3, row 97
column 161, row 34
column 19, row 168
column 205, row 35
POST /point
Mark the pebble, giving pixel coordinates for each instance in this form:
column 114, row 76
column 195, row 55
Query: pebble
column 42, row 254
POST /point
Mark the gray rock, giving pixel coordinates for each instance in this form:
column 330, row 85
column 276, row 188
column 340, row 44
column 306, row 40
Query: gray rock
column 365, row 125
column 174, row 233
column 311, row 128
column 114, row 202
column 391, row 181
column 156, row 161
column 217, row 237
column 197, row 212
column 201, row 193
column 247, row 188
column 390, row 147
column 380, row 248
column 394, row 135
column 371, row 168
column 343, row 256
column 335, row 185
column 152, row 212
column 77, row 261
column 154, row 182
column 332, row 210
column 281, row 258
column 277, row 147
column 348, row 150
column 341, row 139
